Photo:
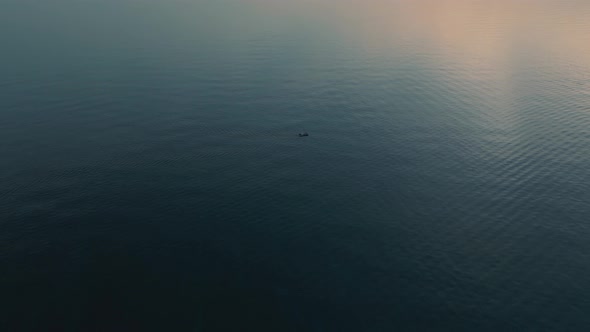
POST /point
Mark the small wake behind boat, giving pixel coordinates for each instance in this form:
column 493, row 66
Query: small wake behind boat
column 303, row 134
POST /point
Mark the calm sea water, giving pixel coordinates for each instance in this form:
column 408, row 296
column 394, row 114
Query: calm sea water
column 151, row 177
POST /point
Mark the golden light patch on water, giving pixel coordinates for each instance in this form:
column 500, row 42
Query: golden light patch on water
column 479, row 30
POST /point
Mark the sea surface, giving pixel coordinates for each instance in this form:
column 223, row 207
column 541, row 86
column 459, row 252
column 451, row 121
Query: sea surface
column 152, row 179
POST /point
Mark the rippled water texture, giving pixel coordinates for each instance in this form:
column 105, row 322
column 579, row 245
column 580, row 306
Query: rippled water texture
column 151, row 177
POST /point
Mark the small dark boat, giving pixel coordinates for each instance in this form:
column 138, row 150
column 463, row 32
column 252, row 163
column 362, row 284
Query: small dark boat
column 303, row 134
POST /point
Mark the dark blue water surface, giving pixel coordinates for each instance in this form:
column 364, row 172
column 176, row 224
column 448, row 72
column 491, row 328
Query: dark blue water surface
column 151, row 177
